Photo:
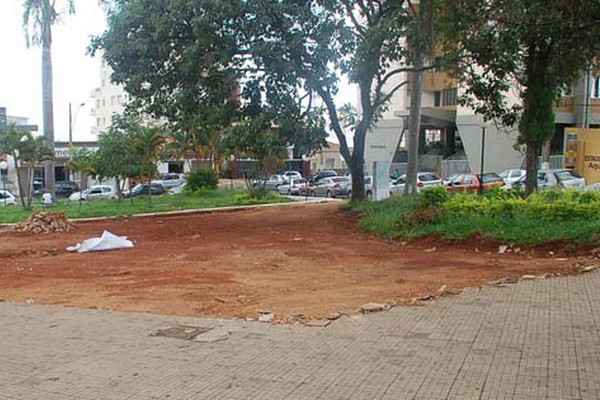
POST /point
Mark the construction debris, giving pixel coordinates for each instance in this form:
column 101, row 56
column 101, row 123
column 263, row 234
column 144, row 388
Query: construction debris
column 45, row 222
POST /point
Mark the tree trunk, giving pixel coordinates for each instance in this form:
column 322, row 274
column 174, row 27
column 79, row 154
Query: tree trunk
column 357, row 161
column 414, row 126
column 546, row 154
column 420, row 47
column 531, row 166
column 47, row 104
column 20, row 186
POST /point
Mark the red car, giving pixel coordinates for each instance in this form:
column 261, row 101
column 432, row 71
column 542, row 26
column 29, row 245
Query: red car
column 472, row 182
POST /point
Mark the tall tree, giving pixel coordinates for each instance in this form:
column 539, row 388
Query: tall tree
column 115, row 155
column 292, row 49
column 420, row 40
column 38, row 18
column 535, row 47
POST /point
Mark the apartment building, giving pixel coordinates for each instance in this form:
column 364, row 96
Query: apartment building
column 109, row 99
column 451, row 131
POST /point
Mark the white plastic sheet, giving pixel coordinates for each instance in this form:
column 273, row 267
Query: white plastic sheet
column 108, row 241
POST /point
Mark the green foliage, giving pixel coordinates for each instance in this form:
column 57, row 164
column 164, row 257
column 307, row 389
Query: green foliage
column 247, row 198
column 26, row 151
column 539, row 45
column 181, row 59
column 111, row 208
column 545, row 216
column 202, row 179
column 434, row 196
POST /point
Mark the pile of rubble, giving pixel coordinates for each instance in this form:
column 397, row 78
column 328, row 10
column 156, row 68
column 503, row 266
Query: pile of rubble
column 45, row 222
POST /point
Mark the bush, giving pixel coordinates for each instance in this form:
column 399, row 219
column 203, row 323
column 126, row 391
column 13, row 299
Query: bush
column 202, row 179
column 434, row 196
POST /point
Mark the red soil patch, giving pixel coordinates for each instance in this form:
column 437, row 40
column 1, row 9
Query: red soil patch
column 307, row 259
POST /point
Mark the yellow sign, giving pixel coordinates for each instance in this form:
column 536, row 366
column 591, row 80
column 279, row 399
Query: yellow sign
column 583, row 153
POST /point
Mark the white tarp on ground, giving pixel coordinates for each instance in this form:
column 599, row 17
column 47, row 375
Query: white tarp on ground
column 107, row 241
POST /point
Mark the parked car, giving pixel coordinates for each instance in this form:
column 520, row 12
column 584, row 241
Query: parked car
column 291, row 174
column 472, row 182
column 65, row 188
column 170, row 180
column 336, row 186
column 38, row 186
column 594, row 187
column 424, row 179
column 141, row 189
column 550, row 178
column 326, row 173
column 7, row 198
column 96, row 192
column 295, row 186
column 510, row 176
column 177, row 189
column 368, row 186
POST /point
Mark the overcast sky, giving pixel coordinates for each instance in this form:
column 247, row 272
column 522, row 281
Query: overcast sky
column 75, row 73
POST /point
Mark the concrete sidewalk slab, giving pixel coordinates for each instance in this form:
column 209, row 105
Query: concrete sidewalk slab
column 537, row 339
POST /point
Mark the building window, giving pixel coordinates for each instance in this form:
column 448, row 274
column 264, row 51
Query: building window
column 103, row 102
column 450, row 97
column 437, row 99
column 97, row 121
column 330, row 163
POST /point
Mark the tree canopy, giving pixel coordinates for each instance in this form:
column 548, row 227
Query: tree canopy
column 536, row 47
column 177, row 56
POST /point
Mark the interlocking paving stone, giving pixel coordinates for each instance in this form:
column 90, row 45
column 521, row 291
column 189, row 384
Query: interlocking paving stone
column 537, row 339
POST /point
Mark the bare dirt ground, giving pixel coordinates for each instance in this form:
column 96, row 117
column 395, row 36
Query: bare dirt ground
column 298, row 259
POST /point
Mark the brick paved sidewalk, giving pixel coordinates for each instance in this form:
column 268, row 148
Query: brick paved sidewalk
column 532, row 340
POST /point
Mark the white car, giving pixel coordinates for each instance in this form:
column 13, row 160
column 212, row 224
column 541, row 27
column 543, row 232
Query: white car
column 291, row 174
column 510, row 176
column 424, row 179
column 96, row 192
column 170, row 180
column 7, row 198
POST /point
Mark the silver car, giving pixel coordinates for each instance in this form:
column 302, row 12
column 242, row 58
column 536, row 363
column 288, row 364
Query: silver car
column 552, row 178
column 338, row 186
column 170, row 180
column 294, row 188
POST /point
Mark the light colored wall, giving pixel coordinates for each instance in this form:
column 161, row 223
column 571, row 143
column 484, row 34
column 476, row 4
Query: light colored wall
column 322, row 160
column 107, row 100
column 499, row 151
column 382, row 142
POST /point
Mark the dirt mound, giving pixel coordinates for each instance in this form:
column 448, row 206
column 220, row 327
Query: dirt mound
column 45, row 222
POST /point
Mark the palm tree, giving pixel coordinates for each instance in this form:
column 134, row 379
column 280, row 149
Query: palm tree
column 83, row 161
column 26, row 151
column 33, row 150
column 38, row 18
column 148, row 144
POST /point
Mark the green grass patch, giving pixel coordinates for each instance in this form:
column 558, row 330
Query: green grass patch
column 139, row 205
column 548, row 216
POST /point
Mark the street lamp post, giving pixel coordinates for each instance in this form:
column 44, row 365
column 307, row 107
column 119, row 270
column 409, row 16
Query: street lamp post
column 482, row 159
column 4, row 169
column 72, row 120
